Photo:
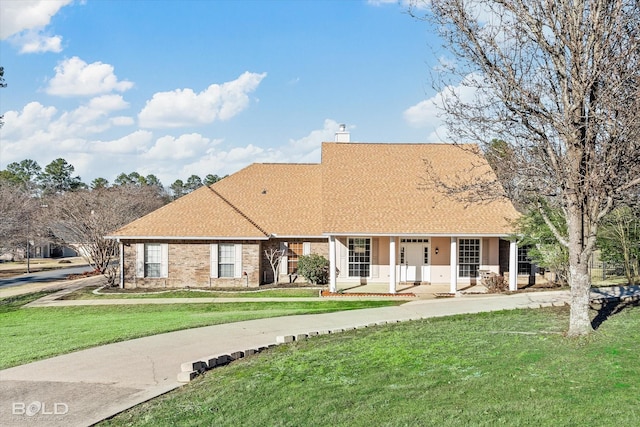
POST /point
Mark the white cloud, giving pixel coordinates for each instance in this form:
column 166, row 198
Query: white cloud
column 40, row 129
column 184, row 147
column 184, row 107
column 35, row 42
column 23, row 23
column 428, row 113
column 33, row 118
column 133, row 143
column 122, row 121
column 74, row 77
column 307, row 148
column 108, row 103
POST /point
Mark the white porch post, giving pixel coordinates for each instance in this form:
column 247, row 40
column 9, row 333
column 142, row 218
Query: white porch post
column 513, row 265
column 454, row 265
column 121, row 265
column 332, row 264
column 392, row 265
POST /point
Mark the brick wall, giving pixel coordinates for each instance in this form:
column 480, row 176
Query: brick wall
column 190, row 266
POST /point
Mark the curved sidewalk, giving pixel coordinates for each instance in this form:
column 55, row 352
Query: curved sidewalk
column 87, row 386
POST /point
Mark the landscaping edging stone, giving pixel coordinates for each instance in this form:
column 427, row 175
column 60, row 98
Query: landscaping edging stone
column 192, row 369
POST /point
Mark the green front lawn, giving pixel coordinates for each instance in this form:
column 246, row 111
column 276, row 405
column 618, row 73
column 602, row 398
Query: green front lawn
column 28, row 334
column 87, row 293
column 511, row 368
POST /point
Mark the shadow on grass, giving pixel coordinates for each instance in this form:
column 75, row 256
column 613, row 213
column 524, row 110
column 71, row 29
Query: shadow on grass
column 609, row 308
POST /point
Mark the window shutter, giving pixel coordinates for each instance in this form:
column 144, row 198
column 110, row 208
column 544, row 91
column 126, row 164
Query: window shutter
column 306, row 248
column 237, row 268
column 139, row 259
column 214, row 260
column 284, row 262
column 164, row 266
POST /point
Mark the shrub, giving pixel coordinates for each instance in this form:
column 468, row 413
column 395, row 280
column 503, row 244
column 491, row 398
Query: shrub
column 314, row 268
column 495, row 284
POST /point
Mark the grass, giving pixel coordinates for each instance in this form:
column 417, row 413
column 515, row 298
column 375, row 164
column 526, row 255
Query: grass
column 29, row 334
column 87, row 293
column 512, row 368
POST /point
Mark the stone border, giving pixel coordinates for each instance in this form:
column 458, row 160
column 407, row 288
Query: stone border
column 193, row 369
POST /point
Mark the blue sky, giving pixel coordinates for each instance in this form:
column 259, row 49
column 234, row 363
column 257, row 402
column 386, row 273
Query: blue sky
column 175, row 88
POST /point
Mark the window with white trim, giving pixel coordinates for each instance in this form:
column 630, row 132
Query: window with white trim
column 468, row 257
column 294, row 250
column 524, row 262
column 226, row 260
column 152, row 260
column 359, row 257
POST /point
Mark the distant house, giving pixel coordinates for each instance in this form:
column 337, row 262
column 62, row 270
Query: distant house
column 368, row 208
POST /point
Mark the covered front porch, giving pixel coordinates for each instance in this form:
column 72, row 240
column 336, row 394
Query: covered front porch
column 393, row 264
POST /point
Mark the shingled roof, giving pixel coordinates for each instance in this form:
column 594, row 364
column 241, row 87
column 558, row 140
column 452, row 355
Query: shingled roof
column 358, row 188
column 388, row 189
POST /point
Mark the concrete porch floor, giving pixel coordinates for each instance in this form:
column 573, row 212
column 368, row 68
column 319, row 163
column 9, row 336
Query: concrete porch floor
column 421, row 291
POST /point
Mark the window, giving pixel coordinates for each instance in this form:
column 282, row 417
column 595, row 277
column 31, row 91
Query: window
column 152, row 260
column 524, row 262
column 294, row 251
column 425, row 258
column 469, row 257
column 402, row 255
column 359, row 257
column 226, row 260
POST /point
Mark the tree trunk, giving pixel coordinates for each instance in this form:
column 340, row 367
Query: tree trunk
column 579, row 278
column 579, row 321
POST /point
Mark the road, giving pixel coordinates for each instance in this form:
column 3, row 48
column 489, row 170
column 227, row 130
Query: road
column 42, row 276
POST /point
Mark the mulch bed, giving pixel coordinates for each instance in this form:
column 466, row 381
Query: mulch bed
column 83, row 275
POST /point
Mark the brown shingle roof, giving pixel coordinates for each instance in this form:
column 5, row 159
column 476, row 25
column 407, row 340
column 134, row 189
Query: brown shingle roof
column 358, row 188
column 285, row 199
column 384, row 189
column 255, row 202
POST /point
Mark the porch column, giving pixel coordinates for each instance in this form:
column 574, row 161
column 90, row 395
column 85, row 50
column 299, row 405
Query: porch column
column 332, row 264
column 513, row 265
column 392, row 265
column 454, row 265
column 121, row 267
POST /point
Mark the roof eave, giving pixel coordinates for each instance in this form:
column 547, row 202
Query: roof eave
column 119, row 238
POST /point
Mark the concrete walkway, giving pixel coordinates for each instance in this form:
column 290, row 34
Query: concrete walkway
column 87, row 386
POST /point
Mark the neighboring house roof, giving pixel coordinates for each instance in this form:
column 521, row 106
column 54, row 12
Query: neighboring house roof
column 376, row 189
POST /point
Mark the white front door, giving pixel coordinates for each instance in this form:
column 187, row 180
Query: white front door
column 414, row 262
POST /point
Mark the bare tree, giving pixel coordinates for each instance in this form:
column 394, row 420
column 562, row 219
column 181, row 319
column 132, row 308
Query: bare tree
column 82, row 219
column 275, row 258
column 17, row 222
column 559, row 82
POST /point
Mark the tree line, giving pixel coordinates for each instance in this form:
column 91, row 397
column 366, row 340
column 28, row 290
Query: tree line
column 52, row 205
column 58, row 177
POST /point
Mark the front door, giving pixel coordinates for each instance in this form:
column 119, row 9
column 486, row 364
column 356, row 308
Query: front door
column 414, row 261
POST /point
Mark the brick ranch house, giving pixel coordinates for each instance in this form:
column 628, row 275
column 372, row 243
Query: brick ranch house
column 368, row 208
